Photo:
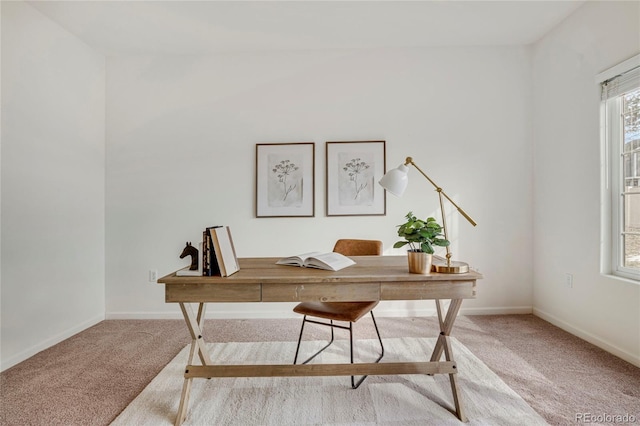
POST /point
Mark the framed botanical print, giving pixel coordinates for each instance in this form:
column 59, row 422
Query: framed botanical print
column 353, row 170
column 285, row 179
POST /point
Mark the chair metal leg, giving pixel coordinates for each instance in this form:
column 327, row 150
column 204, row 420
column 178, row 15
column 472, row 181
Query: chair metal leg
column 299, row 339
column 353, row 384
column 305, row 320
column 379, row 338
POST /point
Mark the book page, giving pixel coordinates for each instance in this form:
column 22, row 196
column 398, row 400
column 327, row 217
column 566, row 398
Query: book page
column 216, row 252
column 212, row 267
column 227, row 250
column 297, row 260
column 331, row 261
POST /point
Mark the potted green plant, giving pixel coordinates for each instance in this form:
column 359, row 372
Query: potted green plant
column 421, row 236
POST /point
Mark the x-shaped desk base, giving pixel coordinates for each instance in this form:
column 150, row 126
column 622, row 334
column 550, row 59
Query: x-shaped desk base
column 195, row 323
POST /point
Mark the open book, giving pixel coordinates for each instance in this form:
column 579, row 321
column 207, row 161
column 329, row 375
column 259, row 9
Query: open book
column 331, row 261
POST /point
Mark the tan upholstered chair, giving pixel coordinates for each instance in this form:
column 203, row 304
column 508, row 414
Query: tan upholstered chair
column 342, row 311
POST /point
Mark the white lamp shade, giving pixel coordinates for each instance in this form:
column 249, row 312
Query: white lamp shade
column 395, row 180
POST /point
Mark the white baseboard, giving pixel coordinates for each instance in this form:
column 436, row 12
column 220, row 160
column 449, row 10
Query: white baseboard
column 287, row 313
column 589, row 337
column 510, row 310
column 28, row 353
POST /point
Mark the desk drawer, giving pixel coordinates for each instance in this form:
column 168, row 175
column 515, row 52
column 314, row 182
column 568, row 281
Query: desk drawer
column 428, row 290
column 211, row 292
column 318, row 292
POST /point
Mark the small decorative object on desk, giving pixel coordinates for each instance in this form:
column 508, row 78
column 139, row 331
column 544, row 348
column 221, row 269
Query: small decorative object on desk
column 195, row 268
column 190, row 250
column 330, row 261
column 421, row 235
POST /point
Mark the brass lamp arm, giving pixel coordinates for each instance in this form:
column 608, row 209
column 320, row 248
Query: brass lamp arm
column 409, row 160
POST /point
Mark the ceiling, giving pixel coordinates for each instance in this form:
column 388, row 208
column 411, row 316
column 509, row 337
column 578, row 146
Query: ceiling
column 201, row 27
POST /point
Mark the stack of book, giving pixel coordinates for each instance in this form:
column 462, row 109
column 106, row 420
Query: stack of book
column 218, row 253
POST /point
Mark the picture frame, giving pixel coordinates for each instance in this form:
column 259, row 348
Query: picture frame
column 353, row 170
column 285, row 175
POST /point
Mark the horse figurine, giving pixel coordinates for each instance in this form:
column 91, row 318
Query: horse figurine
column 190, row 250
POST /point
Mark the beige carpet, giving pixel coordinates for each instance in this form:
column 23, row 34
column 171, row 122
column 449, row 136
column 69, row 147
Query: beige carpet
column 381, row 400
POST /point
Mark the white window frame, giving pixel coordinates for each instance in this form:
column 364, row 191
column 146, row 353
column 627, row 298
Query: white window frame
column 611, row 123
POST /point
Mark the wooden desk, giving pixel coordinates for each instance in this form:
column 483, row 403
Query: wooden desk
column 371, row 278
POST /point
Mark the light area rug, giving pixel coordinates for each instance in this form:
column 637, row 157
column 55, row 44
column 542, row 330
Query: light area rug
column 380, row 400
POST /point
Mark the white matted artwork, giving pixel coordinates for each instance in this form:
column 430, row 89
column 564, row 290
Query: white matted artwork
column 285, row 179
column 353, row 171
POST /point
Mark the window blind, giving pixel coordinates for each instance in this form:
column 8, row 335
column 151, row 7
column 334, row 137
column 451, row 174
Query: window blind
column 620, row 84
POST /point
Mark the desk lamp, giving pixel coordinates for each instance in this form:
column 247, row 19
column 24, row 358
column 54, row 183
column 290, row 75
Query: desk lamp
column 395, row 181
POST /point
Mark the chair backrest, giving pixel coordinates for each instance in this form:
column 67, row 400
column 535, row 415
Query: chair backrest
column 350, row 247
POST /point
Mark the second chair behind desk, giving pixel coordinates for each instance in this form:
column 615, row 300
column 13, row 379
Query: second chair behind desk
column 342, row 311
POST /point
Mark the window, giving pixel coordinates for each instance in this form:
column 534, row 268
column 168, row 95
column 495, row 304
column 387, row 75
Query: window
column 621, row 135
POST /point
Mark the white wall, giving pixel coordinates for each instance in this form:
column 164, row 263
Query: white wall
column 52, row 184
column 599, row 308
column 181, row 156
column 181, row 134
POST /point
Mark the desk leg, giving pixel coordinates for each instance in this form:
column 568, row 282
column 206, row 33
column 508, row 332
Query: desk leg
column 444, row 344
column 446, row 325
column 195, row 325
